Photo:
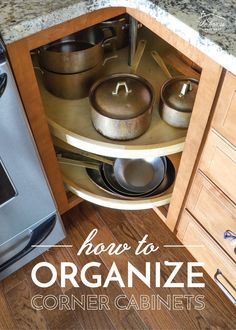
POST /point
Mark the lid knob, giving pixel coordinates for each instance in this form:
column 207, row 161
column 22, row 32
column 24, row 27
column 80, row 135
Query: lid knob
column 187, row 87
column 118, row 85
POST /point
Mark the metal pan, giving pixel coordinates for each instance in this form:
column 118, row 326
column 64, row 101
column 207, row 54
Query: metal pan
column 96, row 177
column 99, row 181
column 110, row 179
column 107, row 172
column 167, row 181
column 139, row 175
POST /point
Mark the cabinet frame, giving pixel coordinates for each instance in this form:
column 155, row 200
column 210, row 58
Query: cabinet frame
column 19, row 55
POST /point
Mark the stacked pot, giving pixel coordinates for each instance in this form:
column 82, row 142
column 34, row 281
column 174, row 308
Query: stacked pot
column 72, row 64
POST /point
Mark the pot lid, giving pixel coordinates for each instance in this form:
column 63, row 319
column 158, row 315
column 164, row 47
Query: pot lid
column 122, row 96
column 179, row 93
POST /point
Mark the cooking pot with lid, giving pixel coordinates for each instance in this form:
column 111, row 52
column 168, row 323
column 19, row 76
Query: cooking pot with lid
column 177, row 97
column 177, row 100
column 121, row 106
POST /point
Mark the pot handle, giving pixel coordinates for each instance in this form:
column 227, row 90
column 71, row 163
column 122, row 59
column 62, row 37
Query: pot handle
column 35, row 52
column 120, row 84
column 187, row 87
column 107, row 41
column 138, row 55
column 127, row 25
column 112, row 57
column 39, row 69
column 77, row 163
column 161, row 63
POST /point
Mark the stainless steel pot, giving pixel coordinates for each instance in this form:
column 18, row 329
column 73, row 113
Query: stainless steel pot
column 71, row 86
column 75, row 53
column 177, row 97
column 120, row 24
column 121, row 106
column 177, row 100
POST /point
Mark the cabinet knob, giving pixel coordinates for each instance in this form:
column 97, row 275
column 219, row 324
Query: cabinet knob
column 228, row 234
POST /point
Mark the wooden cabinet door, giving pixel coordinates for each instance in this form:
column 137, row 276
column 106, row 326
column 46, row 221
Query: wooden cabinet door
column 214, row 211
column 218, row 162
column 205, row 250
column 224, row 120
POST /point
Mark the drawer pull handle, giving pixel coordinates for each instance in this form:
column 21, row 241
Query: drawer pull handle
column 223, row 288
column 228, row 234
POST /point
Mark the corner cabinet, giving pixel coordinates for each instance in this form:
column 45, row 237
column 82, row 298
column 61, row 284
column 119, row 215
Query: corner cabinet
column 48, row 117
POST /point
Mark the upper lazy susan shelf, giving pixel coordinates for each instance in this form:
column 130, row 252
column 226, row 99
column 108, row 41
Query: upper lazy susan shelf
column 70, row 121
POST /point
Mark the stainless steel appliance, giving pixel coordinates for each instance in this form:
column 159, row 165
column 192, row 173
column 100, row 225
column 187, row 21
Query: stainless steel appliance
column 29, row 221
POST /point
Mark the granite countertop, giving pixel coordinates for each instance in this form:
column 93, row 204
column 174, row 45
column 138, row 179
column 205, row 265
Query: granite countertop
column 209, row 25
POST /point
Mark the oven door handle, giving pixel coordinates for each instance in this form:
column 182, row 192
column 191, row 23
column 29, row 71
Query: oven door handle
column 38, row 235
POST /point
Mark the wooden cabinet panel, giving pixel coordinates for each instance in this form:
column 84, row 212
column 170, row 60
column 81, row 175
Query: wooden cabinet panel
column 218, row 162
column 224, row 120
column 208, row 251
column 214, row 211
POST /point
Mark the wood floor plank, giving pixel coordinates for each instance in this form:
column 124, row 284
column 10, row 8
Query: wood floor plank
column 90, row 319
column 19, row 299
column 55, row 257
column 56, row 319
column 89, row 219
column 112, row 291
column 132, row 322
column 26, row 317
column 20, row 275
column 6, row 320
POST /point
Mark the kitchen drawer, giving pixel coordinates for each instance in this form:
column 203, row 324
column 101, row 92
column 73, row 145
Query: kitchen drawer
column 214, row 211
column 218, row 162
column 214, row 258
column 224, row 120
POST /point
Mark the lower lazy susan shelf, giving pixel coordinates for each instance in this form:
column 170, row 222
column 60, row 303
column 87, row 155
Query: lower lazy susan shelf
column 70, row 120
column 78, row 182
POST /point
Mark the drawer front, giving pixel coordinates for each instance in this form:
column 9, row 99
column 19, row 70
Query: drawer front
column 214, row 211
column 224, row 120
column 218, row 162
column 208, row 252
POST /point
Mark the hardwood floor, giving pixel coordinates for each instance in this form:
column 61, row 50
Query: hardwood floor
column 17, row 290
